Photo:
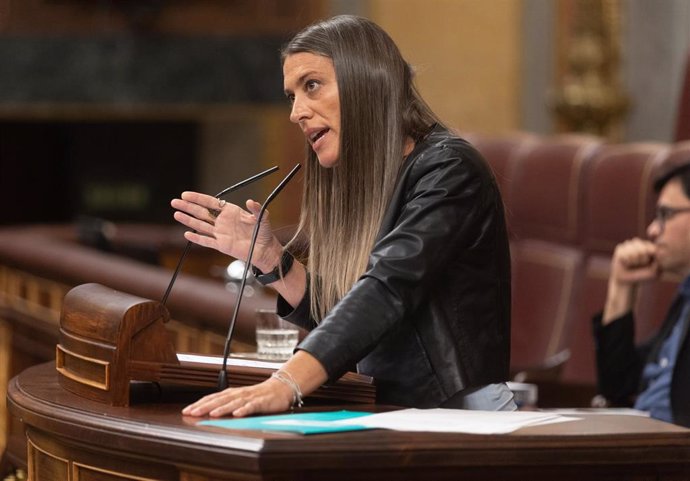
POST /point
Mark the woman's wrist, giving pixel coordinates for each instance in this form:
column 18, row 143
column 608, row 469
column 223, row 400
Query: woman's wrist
column 277, row 272
column 293, row 394
column 270, row 257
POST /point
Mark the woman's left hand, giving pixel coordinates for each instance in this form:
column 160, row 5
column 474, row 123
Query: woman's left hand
column 270, row 396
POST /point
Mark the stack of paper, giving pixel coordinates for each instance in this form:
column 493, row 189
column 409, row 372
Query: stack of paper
column 458, row 420
column 425, row 420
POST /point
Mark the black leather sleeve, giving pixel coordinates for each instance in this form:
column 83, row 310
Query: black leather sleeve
column 300, row 315
column 619, row 362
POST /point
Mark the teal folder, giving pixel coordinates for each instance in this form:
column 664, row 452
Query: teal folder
column 302, row 423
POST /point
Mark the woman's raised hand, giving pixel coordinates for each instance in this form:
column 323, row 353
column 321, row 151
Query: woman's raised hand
column 227, row 227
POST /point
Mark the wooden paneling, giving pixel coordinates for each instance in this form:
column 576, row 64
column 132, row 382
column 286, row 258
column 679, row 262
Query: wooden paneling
column 467, row 54
column 29, row 313
column 5, row 366
column 52, row 460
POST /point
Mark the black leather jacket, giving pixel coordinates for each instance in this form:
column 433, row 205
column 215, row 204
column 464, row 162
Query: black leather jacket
column 431, row 315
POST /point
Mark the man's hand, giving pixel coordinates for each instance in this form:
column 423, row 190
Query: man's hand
column 633, row 262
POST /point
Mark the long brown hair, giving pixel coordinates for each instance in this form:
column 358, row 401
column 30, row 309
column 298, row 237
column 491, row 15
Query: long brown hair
column 343, row 206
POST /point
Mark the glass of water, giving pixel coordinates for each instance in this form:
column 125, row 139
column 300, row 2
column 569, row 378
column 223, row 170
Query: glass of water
column 275, row 338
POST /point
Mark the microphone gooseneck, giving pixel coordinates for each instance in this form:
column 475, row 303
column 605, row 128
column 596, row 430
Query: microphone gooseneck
column 223, row 375
column 232, row 188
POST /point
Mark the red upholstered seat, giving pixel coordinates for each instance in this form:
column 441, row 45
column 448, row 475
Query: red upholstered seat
column 546, row 279
column 546, row 254
column 580, row 367
column 547, row 187
column 619, row 201
column 503, row 152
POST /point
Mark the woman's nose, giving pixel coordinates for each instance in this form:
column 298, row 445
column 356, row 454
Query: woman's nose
column 299, row 112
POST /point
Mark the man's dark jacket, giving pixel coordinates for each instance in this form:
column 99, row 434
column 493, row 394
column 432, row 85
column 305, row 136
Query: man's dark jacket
column 620, row 363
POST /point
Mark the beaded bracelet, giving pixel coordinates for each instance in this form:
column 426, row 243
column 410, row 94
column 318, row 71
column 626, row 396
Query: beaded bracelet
column 287, row 379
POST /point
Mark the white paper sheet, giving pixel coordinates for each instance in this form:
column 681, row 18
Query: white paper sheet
column 218, row 361
column 457, row 420
column 618, row 411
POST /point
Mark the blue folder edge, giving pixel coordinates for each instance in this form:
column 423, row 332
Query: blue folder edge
column 302, row 423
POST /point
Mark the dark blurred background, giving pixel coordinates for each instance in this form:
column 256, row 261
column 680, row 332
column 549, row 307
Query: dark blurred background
column 109, row 108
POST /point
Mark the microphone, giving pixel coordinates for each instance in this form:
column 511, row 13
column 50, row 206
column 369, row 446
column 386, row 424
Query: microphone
column 232, row 188
column 223, row 375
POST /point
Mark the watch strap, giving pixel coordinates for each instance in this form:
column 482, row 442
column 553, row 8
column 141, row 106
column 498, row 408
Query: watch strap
column 285, row 265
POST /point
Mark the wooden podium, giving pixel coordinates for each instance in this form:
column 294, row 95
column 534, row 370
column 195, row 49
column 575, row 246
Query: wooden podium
column 71, row 438
column 78, row 428
column 109, row 339
column 89, row 421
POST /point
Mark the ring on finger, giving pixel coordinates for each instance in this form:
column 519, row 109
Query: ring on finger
column 216, row 212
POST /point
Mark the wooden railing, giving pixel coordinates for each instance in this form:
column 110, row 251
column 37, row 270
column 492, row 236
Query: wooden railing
column 40, row 264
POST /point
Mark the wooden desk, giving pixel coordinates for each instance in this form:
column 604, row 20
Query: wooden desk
column 70, row 438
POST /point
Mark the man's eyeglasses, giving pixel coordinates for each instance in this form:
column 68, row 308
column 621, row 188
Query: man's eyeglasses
column 664, row 213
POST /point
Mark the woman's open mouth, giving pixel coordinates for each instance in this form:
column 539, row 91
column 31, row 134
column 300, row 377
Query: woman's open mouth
column 317, row 136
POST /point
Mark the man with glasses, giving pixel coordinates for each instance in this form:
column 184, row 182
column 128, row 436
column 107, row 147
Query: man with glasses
column 653, row 377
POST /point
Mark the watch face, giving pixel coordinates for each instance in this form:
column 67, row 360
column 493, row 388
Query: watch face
column 267, row 278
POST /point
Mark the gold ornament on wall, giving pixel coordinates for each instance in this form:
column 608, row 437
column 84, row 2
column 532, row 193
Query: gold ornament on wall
column 590, row 97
